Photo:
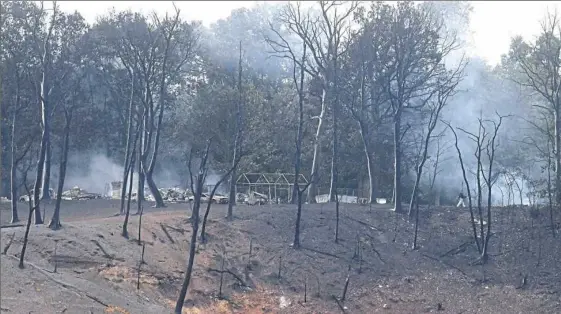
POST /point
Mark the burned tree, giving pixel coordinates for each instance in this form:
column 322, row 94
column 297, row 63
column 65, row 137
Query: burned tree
column 486, row 143
column 33, row 206
column 363, row 68
column 417, row 50
column 282, row 48
column 445, row 87
column 213, row 192
column 200, row 178
column 130, row 172
column 539, row 68
column 236, row 151
column 466, row 181
column 157, row 54
column 43, row 163
column 128, row 154
column 324, row 37
column 55, row 219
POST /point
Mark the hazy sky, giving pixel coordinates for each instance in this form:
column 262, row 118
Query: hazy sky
column 493, row 23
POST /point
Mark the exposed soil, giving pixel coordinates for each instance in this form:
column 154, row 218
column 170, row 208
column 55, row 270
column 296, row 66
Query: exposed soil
column 97, row 268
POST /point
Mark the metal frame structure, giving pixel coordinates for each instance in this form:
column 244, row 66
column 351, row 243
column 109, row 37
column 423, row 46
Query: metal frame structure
column 275, row 185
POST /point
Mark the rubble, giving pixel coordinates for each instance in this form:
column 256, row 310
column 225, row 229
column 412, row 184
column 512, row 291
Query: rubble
column 76, row 193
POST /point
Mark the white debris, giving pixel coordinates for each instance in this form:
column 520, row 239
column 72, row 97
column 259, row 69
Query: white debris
column 284, row 302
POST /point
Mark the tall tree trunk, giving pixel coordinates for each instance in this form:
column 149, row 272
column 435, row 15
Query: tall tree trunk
column 557, row 117
column 296, row 243
column 195, row 223
column 397, row 163
column 312, row 190
column 211, row 196
column 13, row 170
column 369, row 163
column 335, row 149
column 149, row 172
column 125, row 232
column 128, row 155
column 298, row 155
column 54, row 224
column 140, row 183
column 46, row 181
column 237, row 140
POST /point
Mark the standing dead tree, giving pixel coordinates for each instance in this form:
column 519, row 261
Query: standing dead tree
column 301, row 190
column 20, row 140
column 128, row 154
column 158, row 53
column 203, row 169
column 43, row 162
column 211, row 196
column 130, row 170
column 466, row 182
column 367, row 56
column 33, row 206
column 445, row 88
column 54, row 224
column 237, row 139
column 417, row 53
column 539, row 66
column 324, row 37
column 548, row 154
column 282, row 48
column 486, row 144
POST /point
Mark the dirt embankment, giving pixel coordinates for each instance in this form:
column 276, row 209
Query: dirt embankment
column 97, row 269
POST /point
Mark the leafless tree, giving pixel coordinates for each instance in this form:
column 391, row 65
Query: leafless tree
column 282, row 48
column 445, row 88
column 324, row 37
column 539, row 65
column 195, row 222
column 130, row 171
column 300, row 199
column 33, row 206
column 418, row 51
column 486, row 144
column 128, row 154
column 237, row 138
column 43, row 164
column 211, row 196
column 466, row 181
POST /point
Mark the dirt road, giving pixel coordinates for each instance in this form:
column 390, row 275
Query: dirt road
column 80, row 210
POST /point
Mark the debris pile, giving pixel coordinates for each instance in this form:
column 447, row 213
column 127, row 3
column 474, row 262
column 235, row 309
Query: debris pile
column 76, row 193
column 174, row 194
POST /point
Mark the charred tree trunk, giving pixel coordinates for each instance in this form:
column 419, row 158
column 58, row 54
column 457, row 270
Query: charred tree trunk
column 557, row 117
column 130, row 171
column 42, row 153
column 125, row 232
column 312, row 190
column 128, row 155
column 148, row 173
column 298, row 155
column 45, row 122
column 13, row 170
column 466, row 181
column 55, row 220
column 46, row 184
column 140, row 183
column 369, row 164
column 214, row 189
column 237, row 141
column 26, row 235
column 195, row 223
column 549, row 194
column 397, row 163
